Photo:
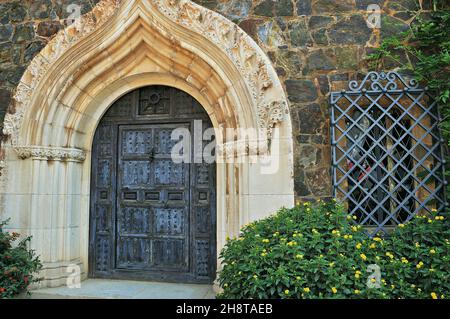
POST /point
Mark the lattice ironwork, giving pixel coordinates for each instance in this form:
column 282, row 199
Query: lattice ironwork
column 387, row 151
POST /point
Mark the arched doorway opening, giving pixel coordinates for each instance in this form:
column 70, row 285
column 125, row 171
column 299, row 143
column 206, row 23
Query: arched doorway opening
column 151, row 217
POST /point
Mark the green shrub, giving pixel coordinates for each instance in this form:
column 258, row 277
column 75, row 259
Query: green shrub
column 317, row 251
column 18, row 264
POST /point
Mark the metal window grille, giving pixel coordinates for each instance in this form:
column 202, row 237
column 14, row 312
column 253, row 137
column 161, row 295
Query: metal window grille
column 387, row 151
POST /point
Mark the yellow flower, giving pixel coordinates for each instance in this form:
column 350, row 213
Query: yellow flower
column 390, row 255
column 349, row 217
column 363, row 257
column 265, row 241
column 419, row 265
column 263, row 254
column 434, row 210
column 255, row 277
column 334, row 290
column 392, row 286
column 432, row 251
column 354, row 228
column 404, row 260
column 430, row 221
column 299, row 256
column 401, row 225
column 358, row 246
column 331, row 264
column 306, row 289
column 355, row 218
column 225, row 285
column 373, row 246
column 377, row 239
column 373, row 280
column 291, row 243
column 358, row 274
column 276, row 234
column 298, row 278
column 434, row 295
column 417, row 245
column 286, row 292
column 357, row 292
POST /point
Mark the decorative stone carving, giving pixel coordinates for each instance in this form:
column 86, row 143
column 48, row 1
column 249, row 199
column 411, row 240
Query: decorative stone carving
column 51, row 153
column 244, row 53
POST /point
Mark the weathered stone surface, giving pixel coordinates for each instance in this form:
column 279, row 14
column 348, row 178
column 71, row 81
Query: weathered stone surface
column 319, row 21
column 270, row 34
column 333, row 6
column 404, row 15
column 32, row 50
column 41, row 9
column 48, row 28
column 23, row 32
column 347, row 57
column 290, row 61
column 363, row 4
column 280, row 8
column 307, row 156
column 5, row 32
column 403, row 5
column 11, row 73
column 13, row 12
column 5, row 52
column 301, row 90
column 5, row 98
column 311, row 119
column 300, row 186
column 265, row 8
column 324, row 84
column 320, row 37
column 299, row 34
column 320, row 60
column 236, row 10
column 63, row 9
column 319, row 181
column 210, row 4
column 391, row 26
column 350, row 30
column 304, row 7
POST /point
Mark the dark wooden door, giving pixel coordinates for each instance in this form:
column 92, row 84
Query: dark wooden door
column 151, row 218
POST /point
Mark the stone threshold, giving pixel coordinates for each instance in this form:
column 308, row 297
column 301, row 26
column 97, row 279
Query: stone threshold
column 124, row 289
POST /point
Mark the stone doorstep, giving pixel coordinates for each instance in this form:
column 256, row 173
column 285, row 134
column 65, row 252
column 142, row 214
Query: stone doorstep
column 122, row 289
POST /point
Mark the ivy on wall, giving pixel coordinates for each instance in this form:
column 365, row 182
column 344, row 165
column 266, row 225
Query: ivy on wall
column 424, row 51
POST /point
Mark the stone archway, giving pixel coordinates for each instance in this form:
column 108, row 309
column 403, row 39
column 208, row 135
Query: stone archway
column 118, row 47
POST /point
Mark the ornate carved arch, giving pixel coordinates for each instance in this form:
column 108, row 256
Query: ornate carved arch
column 119, row 46
column 260, row 79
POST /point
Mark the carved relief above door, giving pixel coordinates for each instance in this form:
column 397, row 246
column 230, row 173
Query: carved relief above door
column 151, row 218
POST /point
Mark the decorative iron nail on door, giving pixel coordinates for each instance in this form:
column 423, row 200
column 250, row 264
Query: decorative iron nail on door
column 387, row 151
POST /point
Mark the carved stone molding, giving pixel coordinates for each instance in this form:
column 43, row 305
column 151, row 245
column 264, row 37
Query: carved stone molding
column 256, row 69
column 50, row 153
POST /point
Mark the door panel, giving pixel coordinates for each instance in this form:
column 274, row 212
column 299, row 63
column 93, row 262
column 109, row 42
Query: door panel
column 151, row 218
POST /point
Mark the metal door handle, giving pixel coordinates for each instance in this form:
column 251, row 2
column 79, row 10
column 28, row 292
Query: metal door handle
column 152, row 155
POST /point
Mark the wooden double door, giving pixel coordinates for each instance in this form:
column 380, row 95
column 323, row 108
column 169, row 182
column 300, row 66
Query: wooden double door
column 152, row 218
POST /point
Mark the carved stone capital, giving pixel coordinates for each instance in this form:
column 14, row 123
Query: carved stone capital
column 50, row 153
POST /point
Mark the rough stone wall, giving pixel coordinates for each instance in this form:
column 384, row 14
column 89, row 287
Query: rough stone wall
column 315, row 45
